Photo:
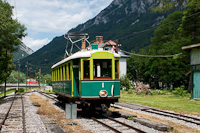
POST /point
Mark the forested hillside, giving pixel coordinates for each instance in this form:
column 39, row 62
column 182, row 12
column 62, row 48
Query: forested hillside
column 130, row 21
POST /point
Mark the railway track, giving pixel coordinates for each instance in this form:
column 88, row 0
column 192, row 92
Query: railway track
column 14, row 119
column 185, row 118
column 116, row 125
column 175, row 115
column 48, row 95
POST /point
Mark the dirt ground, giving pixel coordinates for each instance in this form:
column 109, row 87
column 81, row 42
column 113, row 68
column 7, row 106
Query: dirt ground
column 48, row 109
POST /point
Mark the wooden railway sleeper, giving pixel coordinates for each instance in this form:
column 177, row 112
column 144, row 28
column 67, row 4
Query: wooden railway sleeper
column 117, row 131
column 134, row 128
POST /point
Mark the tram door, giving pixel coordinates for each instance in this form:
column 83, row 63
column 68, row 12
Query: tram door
column 76, row 77
column 196, row 85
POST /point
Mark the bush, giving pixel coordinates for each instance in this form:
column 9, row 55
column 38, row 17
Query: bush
column 124, row 80
column 180, row 91
column 21, row 89
column 160, row 92
column 130, row 91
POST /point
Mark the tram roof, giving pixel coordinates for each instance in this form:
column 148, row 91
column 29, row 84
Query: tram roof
column 83, row 54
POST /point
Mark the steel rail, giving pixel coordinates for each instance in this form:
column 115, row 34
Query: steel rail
column 169, row 114
column 6, row 115
column 23, row 116
column 177, row 114
column 106, row 125
column 47, row 95
column 197, row 123
column 134, row 128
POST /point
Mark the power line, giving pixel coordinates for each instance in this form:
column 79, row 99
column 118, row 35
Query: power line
column 116, row 8
column 15, row 9
column 106, row 14
column 154, row 56
column 121, row 32
column 157, row 26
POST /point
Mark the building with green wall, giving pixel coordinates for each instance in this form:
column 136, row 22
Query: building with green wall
column 195, row 69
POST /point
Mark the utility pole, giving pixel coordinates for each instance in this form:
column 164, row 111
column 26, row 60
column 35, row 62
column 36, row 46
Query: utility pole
column 6, row 75
column 18, row 72
column 39, row 76
column 117, row 46
column 29, row 73
column 26, row 74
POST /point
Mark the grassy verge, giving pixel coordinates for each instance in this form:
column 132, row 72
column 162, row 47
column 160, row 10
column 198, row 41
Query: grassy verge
column 167, row 102
column 27, row 90
column 7, row 92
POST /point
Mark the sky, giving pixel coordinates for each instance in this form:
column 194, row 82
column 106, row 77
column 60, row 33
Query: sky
column 46, row 19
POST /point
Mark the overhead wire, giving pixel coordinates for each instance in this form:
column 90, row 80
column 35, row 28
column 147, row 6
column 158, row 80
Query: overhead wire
column 152, row 56
column 116, row 8
column 134, row 33
column 115, row 32
column 107, row 14
column 155, row 56
column 15, row 9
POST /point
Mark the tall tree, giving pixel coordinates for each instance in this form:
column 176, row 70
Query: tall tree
column 177, row 30
column 167, row 41
column 167, row 5
column 190, row 26
column 11, row 33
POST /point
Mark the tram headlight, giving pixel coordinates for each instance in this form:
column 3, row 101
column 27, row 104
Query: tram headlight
column 103, row 93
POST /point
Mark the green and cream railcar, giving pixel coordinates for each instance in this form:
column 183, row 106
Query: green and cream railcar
column 90, row 77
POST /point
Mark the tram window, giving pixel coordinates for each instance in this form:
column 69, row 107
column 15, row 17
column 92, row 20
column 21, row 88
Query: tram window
column 116, row 69
column 86, row 69
column 58, row 73
column 102, row 68
column 65, row 72
column 62, row 77
column 69, row 71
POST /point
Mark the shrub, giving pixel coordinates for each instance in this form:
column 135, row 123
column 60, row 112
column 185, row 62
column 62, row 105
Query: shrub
column 21, row 89
column 180, row 91
column 124, row 80
column 160, row 92
column 130, row 91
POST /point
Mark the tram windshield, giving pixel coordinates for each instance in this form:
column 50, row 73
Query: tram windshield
column 102, row 68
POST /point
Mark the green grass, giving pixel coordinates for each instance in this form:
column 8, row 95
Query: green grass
column 27, row 90
column 167, row 102
column 7, row 92
column 47, row 91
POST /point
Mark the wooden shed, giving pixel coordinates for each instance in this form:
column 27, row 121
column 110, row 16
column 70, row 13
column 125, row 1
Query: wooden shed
column 195, row 69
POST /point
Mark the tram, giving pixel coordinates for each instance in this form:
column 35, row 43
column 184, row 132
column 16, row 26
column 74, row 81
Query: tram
column 89, row 77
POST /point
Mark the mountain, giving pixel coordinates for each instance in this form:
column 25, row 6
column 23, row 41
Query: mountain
column 130, row 21
column 22, row 52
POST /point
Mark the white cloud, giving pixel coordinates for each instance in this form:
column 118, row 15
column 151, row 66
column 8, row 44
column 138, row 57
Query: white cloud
column 35, row 44
column 53, row 17
column 56, row 16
